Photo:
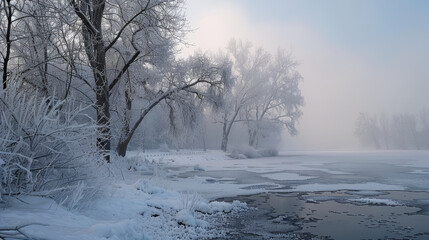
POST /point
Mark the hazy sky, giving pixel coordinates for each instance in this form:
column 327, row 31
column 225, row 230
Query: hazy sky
column 355, row 56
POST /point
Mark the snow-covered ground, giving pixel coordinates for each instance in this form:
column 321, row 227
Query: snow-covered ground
column 166, row 195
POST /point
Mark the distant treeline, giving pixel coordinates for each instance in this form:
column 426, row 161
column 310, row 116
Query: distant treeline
column 401, row 131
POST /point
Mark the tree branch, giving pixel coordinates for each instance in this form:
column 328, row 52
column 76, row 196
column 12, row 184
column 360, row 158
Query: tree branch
column 123, row 70
column 125, row 26
column 83, row 17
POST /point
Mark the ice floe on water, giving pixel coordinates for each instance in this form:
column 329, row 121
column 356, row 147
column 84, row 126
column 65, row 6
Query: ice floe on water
column 317, row 187
column 375, row 201
column 419, row 172
column 366, row 193
column 286, row 176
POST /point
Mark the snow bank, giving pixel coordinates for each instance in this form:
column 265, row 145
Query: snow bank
column 125, row 211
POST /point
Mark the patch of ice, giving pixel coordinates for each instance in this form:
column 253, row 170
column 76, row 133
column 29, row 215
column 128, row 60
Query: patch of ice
column 256, row 169
column 317, row 187
column 306, row 167
column 419, row 172
column 317, row 199
column 285, row 176
column 262, row 186
column 376, row 201
column 365, row 193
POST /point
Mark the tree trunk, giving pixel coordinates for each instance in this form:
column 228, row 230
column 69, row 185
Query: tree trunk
column 227, row 125
column 103, row 115
column 224, row 143
column 8, row 11
column 121, row 149
column 252, row 137
column 96, row 53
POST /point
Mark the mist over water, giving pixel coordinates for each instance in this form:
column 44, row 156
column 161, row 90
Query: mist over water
column 355, row 56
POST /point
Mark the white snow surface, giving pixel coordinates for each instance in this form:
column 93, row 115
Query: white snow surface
column 127, row 211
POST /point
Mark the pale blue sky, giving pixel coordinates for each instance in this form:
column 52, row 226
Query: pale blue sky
column 366, row 55
column 377, row 26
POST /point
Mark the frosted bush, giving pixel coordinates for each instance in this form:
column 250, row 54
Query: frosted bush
column 190, row 202
column 46, row 145
column 250, row 152
column 247, row 151
column 268, row 152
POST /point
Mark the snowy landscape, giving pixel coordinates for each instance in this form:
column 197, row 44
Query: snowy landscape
column 175, row 195
column 204, row 119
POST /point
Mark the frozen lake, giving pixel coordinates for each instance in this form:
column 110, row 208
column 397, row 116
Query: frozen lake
column 338, row 195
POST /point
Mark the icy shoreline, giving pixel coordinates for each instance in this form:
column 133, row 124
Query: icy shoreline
column 159, row 195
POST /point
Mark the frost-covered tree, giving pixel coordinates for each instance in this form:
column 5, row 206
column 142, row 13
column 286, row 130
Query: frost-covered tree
column 278, row 99
column 400, row 131
column 367, row 130
column 385, row 130
column 263, row 92
column 424, row 134
column 404, row 132
column 123, row 30
column 241, row 87
column 197, row 75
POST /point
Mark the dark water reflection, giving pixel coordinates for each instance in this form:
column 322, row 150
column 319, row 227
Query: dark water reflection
column 333, row 215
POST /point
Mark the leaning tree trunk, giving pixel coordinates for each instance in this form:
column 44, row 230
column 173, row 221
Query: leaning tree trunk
column 121, row 149
column 124, row 140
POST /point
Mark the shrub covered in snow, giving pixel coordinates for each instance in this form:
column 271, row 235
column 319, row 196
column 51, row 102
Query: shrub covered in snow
column 268, row 152
column 45, row 145
column 250, row 152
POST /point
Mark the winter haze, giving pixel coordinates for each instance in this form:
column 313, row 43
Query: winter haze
column 214, row 119
column 355, row 56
